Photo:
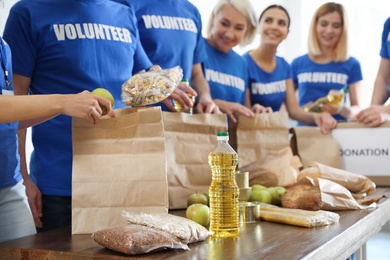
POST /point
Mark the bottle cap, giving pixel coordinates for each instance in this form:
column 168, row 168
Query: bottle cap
column 222, row 136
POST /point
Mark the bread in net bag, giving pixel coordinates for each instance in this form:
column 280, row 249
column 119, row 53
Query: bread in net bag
column 151, row 87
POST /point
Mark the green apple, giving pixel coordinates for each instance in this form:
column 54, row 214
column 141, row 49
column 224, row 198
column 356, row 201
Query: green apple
column 199, row 213
column 262, row 195
column 258, row 187
column 276, row 198
column 197, row 198
column 102, row 92
column 208, row 198
column 281, row 190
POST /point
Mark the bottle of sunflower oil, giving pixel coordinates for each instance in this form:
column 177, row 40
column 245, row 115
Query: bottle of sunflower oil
column 223, row 191
column 178, row 106
column 334, row 97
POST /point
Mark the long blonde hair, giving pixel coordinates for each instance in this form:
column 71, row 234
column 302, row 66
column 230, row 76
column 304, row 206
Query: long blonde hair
column 341, row 50
column 246, row 9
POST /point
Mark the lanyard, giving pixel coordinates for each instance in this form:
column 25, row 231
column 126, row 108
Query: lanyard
column 3, row 64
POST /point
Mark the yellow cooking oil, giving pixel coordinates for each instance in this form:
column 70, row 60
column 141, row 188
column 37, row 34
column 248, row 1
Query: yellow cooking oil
column 334, row 97
column 223, row 192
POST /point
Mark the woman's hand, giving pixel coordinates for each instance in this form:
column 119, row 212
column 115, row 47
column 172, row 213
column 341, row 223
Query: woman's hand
column 85, row 105
column 180, row 94
column 324, row 121
column 331, row 109
column 373, row 116
column 232, row 109
column 257, row 109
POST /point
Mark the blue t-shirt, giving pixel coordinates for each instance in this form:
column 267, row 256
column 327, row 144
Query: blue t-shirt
column 316, row 80
column 268, row 89
column 67, row 47
column 171, row 32
column 226, row 74
column 385, row 50
column 9, row 156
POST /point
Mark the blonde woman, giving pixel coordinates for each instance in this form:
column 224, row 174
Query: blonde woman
column 327, row 65
column 232, row 23
column 270, row 76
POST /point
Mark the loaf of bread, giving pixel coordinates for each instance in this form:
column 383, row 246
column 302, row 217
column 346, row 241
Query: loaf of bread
column 302, row 196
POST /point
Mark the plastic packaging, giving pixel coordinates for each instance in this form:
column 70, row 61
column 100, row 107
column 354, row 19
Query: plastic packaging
column 186, row 230
column 297, row 217
column 334, row 97
column 151, row 87
column 178, row 106
column 136, row 239
column 223, row 192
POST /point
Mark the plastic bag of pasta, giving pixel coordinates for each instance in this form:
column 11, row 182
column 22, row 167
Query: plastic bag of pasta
column 137, row 239
column 151, row 87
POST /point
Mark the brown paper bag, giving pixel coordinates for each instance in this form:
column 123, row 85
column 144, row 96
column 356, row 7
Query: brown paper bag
column 356, row 183
column 118, row 164
column 333, row 196
column 312, row 146
column 189, row 140
column 264, row 151
column 339, row 189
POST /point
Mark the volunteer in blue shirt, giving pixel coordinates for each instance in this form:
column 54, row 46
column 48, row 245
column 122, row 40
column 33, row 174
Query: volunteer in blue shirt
column 377, row 113
column 327, row 65
column 65, row 47
column 270, row 76
column 231, row 23
column 171, row 34
column 16, row 218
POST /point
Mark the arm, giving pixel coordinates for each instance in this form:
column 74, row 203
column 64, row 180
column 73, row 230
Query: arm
column 21, row 86
column 42, row 107
column 205, row 102
column 31, row 110
column 380, row 94
column 343, row 110
column 324, row 120
column 373, row 116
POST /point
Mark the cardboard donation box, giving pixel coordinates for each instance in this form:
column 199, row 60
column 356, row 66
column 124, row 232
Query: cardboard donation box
column 365, row 150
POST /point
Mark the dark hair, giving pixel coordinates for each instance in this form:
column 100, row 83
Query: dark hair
column 277, row 7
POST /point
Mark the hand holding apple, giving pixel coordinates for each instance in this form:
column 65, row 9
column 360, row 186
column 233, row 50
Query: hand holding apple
column 102, row 92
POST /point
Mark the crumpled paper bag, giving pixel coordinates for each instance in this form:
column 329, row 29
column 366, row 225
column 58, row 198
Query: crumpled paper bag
column 340, row 190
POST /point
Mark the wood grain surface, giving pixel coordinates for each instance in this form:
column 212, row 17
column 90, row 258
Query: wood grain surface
column 263, row 240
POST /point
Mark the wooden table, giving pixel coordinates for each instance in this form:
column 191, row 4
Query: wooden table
column 264, row 240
